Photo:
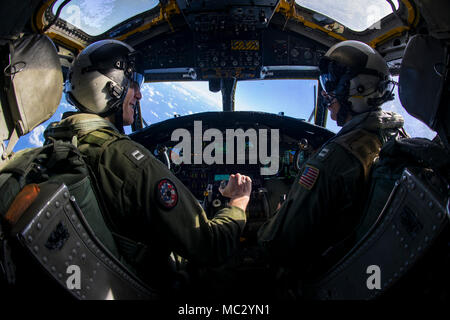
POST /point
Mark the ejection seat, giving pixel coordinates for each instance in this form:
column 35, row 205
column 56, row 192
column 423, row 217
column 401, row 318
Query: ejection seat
column 406, row 244
column 50, row 245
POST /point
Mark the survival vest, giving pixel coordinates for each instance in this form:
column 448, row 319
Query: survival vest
column 60, row 163
column 404, row 223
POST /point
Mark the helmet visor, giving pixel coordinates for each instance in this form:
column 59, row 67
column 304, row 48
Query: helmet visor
column 137, row 78
column 328, row 82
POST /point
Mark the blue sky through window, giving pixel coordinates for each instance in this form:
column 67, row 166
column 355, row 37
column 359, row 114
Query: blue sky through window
column 161, row 101
column 357, row 15
column 97, row 16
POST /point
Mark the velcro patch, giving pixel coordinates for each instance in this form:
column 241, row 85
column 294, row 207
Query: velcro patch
column 324, row 153
column 167, row 194
column 136, row 156
column 309, row 177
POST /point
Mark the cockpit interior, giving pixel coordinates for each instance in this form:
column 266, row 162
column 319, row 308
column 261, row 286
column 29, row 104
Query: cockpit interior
column 223, row 43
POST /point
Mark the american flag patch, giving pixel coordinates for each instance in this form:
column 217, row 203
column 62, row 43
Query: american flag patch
column 309, row 177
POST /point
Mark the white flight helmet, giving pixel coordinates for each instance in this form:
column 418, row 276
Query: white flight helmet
column 100, row 76
column 357, row 75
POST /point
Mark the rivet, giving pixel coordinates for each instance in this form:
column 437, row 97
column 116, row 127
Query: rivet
column 48, row 214
column 401, row 269
column 426, row 239
column 67, row 206
column 422, row 195
column 57, row 204
column 44, row 258
column 430, row 204
column 66, row 194
column 88, row 288
column 402, row 239
column 98, row 264
column 79, row 226
column 74, row 251
column 53, row 268
column 403, row 178
column 78, row 293
column 439, row 215
column 406, row 263
column 396, row 275
column 72, row 198
column 66, row 263
column 70, row 258
column 94, row 272
column 397, row 232
column 83, row 256
column 36, row 248
column 78, row 244
column 412, row 255
column 91, row 280
column 405, row 246
column 83, row 297
column 419, row 248
column 39, row 226
column 60, row 275
column 434, row 228
column 30, row 239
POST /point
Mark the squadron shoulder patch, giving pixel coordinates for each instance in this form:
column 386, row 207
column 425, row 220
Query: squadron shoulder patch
column 309, row 177
column 167, row 194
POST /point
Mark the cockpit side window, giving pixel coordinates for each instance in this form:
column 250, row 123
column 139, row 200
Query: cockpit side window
column 415, row 128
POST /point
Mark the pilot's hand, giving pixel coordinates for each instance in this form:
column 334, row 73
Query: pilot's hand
column 238, row 189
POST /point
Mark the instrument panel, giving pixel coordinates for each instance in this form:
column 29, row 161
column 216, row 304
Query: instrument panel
column 218, row 52
column 268, row 148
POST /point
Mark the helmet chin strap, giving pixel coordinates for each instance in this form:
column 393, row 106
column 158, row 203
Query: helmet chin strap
column 117, row 110
column 118, row 120
column 343, row 113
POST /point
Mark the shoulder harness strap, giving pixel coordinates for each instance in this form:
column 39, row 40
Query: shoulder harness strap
column 132, row 250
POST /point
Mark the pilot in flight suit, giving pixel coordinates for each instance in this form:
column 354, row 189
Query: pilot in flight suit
column 146, row 205
column 324, row 203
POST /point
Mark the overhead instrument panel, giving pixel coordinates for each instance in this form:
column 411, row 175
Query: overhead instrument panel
column 227, row 36
column 285, row 48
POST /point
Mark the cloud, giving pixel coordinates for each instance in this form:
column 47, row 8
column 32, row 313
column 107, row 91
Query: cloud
column 171, row 106
column 154, row 113
column 357, row 15
column 199, row 91
column 36, row 138
column 94, row 13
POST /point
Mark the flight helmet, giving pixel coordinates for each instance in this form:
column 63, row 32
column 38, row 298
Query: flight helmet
column 100, row 76
column 357, row 76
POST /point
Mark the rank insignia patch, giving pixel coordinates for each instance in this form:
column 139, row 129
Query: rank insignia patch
column 309, row 177
column 167, row 194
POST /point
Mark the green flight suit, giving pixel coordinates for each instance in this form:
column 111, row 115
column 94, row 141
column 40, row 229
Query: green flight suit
column 325, row 201
column 148, row 204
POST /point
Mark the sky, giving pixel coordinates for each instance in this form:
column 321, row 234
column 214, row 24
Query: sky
column 161, row 101
column 358, row 15
column 96, row 17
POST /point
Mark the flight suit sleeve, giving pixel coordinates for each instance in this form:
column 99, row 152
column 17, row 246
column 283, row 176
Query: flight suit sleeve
column 182, row 225
column 320, row 195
